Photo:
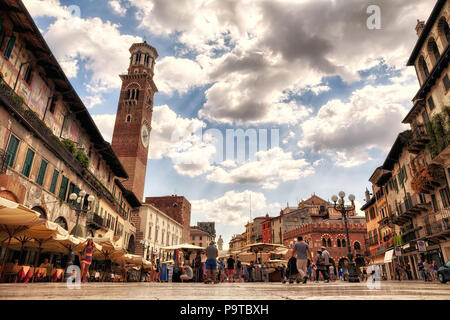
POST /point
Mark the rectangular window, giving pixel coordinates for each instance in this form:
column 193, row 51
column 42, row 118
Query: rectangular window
column 433, row 200
column 431, row 103
column 27, row 75
column 446, row 82
column 445, row 196
column 10, row 47
column 13, row 145
column 54, row 181
column 28, row 163
column 71, row 190
column 42, row 171
column 63, row 188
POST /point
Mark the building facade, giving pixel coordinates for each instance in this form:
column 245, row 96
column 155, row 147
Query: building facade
column 176, row 207
column 50, row 146
column 132, row 128
column 415, row 174
column 267, row 230
column 200, row 237
column 155, row 230
column 321, row 225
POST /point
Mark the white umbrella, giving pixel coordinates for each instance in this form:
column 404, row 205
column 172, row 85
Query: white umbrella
column 184, row 246
column 14, row 220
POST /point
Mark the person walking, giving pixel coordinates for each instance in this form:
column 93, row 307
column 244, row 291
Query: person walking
column 332, row 276
column 230, row 269
column 239, row 269
column 250, row 269
column 434, row 270
column 211, row 263
column 198, row 267
column 421, row 270
column 408, row 271
column 326, row 262
column 301, row 248
column 427, row 271
column 222, row 272
column 87, row 258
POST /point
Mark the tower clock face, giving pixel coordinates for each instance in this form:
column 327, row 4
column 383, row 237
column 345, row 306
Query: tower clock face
column 145, row 136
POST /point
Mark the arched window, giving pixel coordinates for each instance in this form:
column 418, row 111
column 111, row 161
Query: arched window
column 338, row 242
column 324, row 242
column 62, row 222
column 343, row 243
column 444, row 30
column 329, row 242
column 357, row 246
column 433, row 50
column 424, row 68
column 129, row 118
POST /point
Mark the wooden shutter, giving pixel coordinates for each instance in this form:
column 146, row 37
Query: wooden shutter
column 54, row 181
column 10, row 47
column 41, row 175
column 12, row 149
column 28, row 163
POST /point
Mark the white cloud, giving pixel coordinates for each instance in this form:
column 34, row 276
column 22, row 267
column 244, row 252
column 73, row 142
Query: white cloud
column 117, row 7
column 177, row 74
column 233, row 208
column 105, row 123
column 96, row 44
column 171, row 132
column 262, row 51
column 268, row 170
column 371, row 119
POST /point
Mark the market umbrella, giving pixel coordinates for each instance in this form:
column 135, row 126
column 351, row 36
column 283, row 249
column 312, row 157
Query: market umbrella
column 109, row 250
column 184, row 246
column 14, row 220
column 262, row 247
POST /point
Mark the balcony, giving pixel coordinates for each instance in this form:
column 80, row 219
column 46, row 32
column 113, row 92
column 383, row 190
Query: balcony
column 4, row 160
column 95, row 222
column 411, row 207
column 427, row 178
column 437, row 230
column 419, row 140
column 385, row 221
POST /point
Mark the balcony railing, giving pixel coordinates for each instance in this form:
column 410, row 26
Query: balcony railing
column 4, row 160
column 95, row 221
column 419, row 140
column 406, row 210
column 436, row 228
column 428, row 178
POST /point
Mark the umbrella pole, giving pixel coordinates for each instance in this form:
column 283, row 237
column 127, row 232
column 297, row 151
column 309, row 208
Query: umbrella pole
column 4, row 258
column 37, row 261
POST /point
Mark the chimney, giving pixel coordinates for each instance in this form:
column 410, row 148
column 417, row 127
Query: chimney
column 367, row 195
column 419, row 27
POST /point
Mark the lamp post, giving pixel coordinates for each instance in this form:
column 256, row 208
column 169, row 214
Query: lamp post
column 340, row 206
column 79, row 209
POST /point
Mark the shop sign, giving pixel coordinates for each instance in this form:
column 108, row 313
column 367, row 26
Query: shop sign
column 398, row 251
column 421, row 245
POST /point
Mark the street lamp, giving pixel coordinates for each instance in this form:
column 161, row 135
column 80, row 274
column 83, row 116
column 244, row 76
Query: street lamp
column 340, row 206
column 79, row 209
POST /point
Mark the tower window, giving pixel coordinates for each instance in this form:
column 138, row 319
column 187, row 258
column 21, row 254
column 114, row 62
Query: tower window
column 129, row 118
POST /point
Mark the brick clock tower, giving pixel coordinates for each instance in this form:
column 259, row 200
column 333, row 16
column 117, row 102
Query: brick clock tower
column 134, row 116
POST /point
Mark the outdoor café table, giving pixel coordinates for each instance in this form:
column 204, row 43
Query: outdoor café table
column 22, row 272
column 57, row 274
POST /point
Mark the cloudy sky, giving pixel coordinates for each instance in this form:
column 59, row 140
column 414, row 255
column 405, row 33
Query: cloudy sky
column 327, row 91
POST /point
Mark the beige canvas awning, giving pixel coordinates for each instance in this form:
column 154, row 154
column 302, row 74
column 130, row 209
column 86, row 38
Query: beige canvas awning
column 13, row 213
column 184, row 246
